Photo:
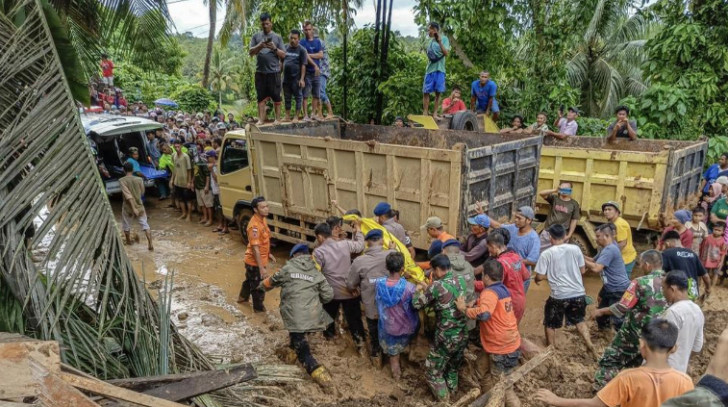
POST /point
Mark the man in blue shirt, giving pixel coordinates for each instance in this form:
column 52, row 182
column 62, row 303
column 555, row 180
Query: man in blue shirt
column 482, row 96
column 134, row 160
column 437, row 49
column 713, row 172
column 315, row 50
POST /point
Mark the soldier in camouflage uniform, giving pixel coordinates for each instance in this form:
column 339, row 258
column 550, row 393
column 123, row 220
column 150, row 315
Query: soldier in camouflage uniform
column 446, row 353
column 642, row 302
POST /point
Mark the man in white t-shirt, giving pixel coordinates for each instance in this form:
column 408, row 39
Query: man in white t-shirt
column 686, row 315
column 563, row 266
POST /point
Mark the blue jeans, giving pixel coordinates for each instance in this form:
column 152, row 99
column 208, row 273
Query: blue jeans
column 163, row 187
column 322, row 90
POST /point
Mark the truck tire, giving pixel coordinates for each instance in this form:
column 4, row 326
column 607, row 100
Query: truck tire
column 242, row 221
column 584, row 244
column 465, row 120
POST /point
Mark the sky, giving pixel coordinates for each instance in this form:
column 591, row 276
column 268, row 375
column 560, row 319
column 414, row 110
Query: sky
column 192, row 15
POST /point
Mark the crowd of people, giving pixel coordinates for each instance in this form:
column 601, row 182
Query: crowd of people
column 474, row 291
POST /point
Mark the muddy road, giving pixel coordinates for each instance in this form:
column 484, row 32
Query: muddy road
column 208, row 272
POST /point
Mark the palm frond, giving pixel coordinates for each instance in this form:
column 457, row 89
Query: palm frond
column 608, row 82
column 84, row 292
column 577, row 69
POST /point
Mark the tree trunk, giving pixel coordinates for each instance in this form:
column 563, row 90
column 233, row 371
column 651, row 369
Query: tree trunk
column 460, row 53
column 210, row 41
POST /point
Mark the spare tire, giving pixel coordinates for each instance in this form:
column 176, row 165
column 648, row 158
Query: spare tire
column 464, row 120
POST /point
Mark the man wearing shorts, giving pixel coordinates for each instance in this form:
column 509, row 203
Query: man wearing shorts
column 107, row 70
column 268, row 49
column 563, row 266
column 182, row 180
column 132, row 188
column 437, row 49
column 482, row 96
column 314, row 48
column 325, row 76
column 202, row 190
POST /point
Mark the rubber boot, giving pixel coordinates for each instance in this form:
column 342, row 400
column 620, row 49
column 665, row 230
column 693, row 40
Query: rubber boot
column 322, row 377
column 287, row 355
column 149, row 239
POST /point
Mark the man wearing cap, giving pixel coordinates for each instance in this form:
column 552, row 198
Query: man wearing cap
column 524, row 239
column 612, row 212
column 642, row 301
column 435, row 228
column 257, row 255
column 383, row 212
column 461, row 268
column 567, row 125
column 475, row 248
column 303, row 291
column 363, row 274
column 677, row 223
column 398, row 121
column 562, row 265
column 564, row 211
column 334, row 258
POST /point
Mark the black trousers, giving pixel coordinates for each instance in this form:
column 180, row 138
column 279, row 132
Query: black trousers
column 300, row 345
column 352, row 313
column 373, row 328
column 250, row 287
column 607, row 298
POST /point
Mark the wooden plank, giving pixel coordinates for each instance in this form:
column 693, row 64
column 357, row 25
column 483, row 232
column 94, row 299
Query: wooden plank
column 54, row 391
column 16, row 380
column 508, row 381
column 213, row 380
column 111, row 391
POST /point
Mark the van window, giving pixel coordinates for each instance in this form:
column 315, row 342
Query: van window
column 234, row 155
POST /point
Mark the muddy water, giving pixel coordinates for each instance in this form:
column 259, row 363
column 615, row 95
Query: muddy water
column 208, row 272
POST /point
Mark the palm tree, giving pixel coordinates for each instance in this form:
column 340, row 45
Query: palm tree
column 607, row 59
column 221, row 78
column 212, row 6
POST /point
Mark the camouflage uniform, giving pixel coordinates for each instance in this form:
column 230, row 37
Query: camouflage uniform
column 642, row 301
column 451, row 334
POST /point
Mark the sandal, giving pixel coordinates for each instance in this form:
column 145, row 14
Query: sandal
column 216, row 230
column 224, row 232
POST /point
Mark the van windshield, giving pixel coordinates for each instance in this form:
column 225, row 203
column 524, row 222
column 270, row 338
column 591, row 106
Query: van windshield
column 234, row 155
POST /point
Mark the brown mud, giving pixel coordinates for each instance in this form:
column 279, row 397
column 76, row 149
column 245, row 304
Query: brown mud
column 208, row 272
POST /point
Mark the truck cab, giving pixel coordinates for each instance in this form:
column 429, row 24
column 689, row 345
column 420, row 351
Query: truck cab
column 235, row 179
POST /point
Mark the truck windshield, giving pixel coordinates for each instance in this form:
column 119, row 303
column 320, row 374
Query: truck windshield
column 234, row 155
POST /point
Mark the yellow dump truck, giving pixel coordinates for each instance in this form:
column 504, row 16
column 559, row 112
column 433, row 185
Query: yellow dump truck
column 649, row 178
column 300, row 168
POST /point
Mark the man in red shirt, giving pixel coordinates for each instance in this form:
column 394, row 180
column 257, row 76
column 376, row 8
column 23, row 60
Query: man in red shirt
column 514, row 272
column 498, row 326
column 257, row 255
column 107, row 70
column 453, row 104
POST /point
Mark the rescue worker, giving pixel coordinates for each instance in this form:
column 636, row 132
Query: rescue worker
column 334, row 259
column 385, row 217
column 303, row 291
column 435, row 228
column 363, row 274
column 514, row 271
column 461, row 268
column 475, row 248
column 257, row 255
column 499, row 334
column 642, row 302
column 446, row 353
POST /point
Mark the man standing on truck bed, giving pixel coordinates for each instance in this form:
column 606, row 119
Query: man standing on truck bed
column 257, row 255
column 482, row 96
column 563, row 211
column 334, row 258
column 613, row 212
column 437, row 49
column 268, row 49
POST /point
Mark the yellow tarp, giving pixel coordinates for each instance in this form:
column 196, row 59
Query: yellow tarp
column 413, row 273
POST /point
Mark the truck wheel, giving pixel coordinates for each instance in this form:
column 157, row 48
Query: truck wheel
column 583, row 243
column 465, row 120
column 242, row 220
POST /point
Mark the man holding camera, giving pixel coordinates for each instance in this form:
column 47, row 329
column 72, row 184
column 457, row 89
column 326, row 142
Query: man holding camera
column 268, row 49
column 437, row 49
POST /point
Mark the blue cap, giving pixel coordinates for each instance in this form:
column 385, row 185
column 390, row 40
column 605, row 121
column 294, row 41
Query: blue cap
column 683, row 216
column 480, row 220
column 299, row 248
column 451, row 242
column 382, row 208
column 374, row 234
column 435, row 249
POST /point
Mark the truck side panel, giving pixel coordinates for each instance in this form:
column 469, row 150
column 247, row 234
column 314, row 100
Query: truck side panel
column 514, row 168
column 686, row 170
column 299, row 176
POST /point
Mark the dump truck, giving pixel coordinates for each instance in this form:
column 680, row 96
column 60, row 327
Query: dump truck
column 649, row 178
column 301, row 168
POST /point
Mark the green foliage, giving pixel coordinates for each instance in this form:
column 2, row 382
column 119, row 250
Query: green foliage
column 661, row 113
column 145, row 85
column 716, row 146
column 193, row 98
column 592, row 126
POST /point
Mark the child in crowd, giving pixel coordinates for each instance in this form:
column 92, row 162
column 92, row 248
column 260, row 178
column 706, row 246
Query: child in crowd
column 646, row 386
column 398, row 320
column 697, row 226
column 713, row 251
